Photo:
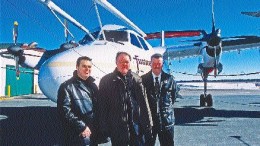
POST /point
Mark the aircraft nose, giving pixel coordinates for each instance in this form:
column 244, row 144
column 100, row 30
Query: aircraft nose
column 60, row 67
column 53, row 72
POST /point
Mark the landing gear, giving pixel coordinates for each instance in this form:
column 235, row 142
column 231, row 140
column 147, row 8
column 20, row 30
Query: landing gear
column 202, row 100
column 205, row 99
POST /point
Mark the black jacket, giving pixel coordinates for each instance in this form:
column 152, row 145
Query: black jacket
column 76, row 106
column 113, row 118
column 166, row 101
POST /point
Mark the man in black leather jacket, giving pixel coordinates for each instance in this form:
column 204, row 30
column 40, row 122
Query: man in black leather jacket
column 76, row 106
column 161, row 93
column 125, row 113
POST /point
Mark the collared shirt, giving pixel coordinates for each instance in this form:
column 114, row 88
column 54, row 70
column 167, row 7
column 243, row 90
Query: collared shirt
column 159, row 78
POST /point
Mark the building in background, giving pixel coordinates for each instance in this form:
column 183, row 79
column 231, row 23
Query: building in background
column 10, row 85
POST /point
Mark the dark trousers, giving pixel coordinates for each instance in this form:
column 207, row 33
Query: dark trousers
column 166, row 136
column 133, row 140
column 78, row 141
column 117, row 142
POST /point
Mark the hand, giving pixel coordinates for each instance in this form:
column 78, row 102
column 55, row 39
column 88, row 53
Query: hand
column 86, row 133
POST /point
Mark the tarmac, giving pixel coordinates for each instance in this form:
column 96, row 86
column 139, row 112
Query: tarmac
column 233, row 120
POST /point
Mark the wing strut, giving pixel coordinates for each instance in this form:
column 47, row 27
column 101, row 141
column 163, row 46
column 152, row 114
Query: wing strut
column 99, row 20
column 118, row 14
column 54, row 7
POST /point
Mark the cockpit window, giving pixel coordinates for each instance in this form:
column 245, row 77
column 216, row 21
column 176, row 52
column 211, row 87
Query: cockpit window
column 116, row 36
column 87, row 39
column 135, row 41
column 143, row 43
column 111, row 35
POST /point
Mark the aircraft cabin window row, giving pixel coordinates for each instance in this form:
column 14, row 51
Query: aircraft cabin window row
column 116, row 36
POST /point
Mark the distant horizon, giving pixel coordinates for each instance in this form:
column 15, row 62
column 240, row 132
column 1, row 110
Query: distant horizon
column 221, row 80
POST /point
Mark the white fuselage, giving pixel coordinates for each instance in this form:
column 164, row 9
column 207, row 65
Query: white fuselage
column 60, row 67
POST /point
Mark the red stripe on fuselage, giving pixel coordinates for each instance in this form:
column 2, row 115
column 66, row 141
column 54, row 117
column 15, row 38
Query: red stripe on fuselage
column 171, row 34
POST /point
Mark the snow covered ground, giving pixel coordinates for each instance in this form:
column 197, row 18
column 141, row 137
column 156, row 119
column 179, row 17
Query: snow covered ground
column 220, row 85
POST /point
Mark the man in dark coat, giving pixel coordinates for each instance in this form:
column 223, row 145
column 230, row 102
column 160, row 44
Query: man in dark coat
column 76, row 106
column 161, row 93
column 125, row 115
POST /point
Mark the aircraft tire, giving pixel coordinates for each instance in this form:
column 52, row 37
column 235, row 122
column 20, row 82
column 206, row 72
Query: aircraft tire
column 209, row 100
column 202, row 100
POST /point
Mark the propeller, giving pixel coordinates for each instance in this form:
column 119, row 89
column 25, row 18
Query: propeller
column 19, row 51
column 213, row 40
column 16, row 50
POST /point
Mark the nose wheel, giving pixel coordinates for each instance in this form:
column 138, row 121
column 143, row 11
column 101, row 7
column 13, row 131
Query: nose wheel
column 206, row 100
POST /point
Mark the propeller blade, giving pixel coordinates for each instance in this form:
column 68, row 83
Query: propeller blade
column 17, row 69
column 4, row 52
column 213, row 17
column 15, row 32
column 31, row 55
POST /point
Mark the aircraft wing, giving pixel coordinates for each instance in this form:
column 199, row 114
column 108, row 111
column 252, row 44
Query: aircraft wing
column 228, row 44
column 240, row 43
column 185, row 51
column 254, row 14
column 174, row 52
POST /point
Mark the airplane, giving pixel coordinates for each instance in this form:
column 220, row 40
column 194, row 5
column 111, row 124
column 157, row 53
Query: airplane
column 253, row 14
column 103, row 43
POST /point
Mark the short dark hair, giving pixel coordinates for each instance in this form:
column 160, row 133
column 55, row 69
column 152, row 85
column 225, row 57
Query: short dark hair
column 125, row 53
column 83, row 58
column 156, row 55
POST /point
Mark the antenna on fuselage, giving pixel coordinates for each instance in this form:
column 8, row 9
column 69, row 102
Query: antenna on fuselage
column 99, row 20
column 118, row 14
column 53, row 7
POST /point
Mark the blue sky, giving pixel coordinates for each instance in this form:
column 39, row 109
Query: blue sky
column 36, row 23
